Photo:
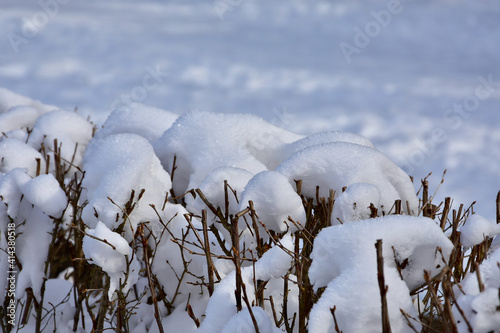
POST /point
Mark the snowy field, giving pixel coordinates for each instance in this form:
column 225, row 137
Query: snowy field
column 409, row 77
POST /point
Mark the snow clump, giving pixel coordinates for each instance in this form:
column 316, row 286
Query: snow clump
column 111, row 252
column 137, row 118
column 344, row 261
column 341, row 164
column 71, row 130
column 476, row 230
column 275, row 200
column 114, row 167
column 481, row 307
column 202, row 141
column 213, row 189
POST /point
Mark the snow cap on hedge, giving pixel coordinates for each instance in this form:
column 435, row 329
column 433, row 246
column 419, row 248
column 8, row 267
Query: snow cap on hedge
column 15, row 153
column 137, row 118
column 71, row 130
column 45, row 193
column 476, row 229
column 340, row 164
column 202, row 141
column 9, row 100
column 344, row 260
column 274, row 201
column 327, row 137
column 213, row 189
column 114, row 167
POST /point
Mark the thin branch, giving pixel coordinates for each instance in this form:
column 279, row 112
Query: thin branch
column 386, row 323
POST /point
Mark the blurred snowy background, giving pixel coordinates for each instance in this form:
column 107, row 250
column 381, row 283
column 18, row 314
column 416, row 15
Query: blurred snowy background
column 421, row 79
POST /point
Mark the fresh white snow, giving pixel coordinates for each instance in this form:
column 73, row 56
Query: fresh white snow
column 261, row 163
column 114, row 167
column 477, row 229
column 337, row 165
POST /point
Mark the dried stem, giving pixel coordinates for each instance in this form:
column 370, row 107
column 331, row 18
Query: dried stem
column 386, row 323
column 210, row 264
column 144, row 242
column 332, row 310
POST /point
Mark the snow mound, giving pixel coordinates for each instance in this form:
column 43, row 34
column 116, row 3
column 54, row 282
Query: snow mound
column 328, row 137
column 71, row 130
column 10, row 190
column 15, row 122
column 481, row 308
column 344, row 260
column 179, row 320
column 125, row 182
column 341, row 164
column 213, row 189
column 137, row 118
column 45, row 193
column 476, row 229
column 202, row 141
column 274, row 201
column 354, row 203
column 9, row 99
column 17, row 154
column 114, row 167
column 112, row 253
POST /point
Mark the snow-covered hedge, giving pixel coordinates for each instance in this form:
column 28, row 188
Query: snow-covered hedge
column 210, row 222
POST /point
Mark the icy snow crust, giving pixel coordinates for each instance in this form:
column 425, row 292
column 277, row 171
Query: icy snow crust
column 128, row 167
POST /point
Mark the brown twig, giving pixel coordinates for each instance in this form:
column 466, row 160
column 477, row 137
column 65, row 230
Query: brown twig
column 479, row 279
column 144, row 242
column 386, row 323
column 210, row 264
column 498, row 207
column 446, row 211
column 332, row 310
